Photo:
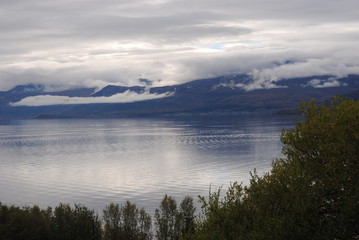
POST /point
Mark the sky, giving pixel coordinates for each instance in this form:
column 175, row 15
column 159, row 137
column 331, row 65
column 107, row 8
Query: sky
column 92, row 43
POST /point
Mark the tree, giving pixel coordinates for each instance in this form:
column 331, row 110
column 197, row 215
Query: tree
column 87, row 224
column 144, row 226
column 187, row 217
column 75, row 223
column 126, row 222
column 167, row 219
column 24, row 223
column 221, row 217
column 325, row 147
column 136, row 223
column 310, row 193
column 112, row 220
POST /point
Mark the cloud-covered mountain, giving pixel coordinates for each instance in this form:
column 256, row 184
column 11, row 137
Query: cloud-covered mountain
column 18, row 93
column 234, row 94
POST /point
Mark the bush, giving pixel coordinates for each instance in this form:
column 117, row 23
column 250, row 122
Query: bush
column 311, row 193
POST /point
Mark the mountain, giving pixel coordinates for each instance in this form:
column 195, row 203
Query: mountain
column 221, row 95
column 23, row 91
column 112, row 90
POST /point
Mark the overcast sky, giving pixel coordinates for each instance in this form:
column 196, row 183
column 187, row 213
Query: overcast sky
column 92, row 43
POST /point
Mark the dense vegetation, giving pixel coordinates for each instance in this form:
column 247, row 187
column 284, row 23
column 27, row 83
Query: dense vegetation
column 125, row 222
column 310, row 193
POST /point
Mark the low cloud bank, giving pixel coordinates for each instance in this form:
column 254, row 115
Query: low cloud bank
column 126, row 97
column 268, row 77
column 320, row 83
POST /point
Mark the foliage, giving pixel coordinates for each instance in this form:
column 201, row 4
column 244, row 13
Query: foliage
column 75, row 223
column 62, row 223
column 221, row 216
column 175, row 223
column 167, row 219
column 311, row 193
column 325, row 151
column 126, row 222
column 24, row 223
column 112, row 219
column 187, row 218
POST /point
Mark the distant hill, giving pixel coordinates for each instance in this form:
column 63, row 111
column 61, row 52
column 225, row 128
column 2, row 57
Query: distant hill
column 23, row 91
column 221, row 95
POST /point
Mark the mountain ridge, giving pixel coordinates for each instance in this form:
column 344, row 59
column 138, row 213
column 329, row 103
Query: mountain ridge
column 220, row 95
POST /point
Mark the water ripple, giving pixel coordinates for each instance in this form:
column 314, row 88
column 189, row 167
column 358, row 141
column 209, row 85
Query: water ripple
column 96, row 162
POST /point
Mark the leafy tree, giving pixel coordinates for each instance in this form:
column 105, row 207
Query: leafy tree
column 187, row 217
column 112, row 219
column 24, row 223
column 87, row 224
column 75, row 223
column 136, row 223
column 35, row 223
column 311, row 193
column 144, row 227
column 325, row 148
column 63, row 222
column 167, row 219
column 222, row 217
column 126, row 222
column 41, row 222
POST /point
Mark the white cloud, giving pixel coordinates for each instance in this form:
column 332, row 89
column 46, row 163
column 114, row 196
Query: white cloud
column 324, row 83
column 267, row 77
column 126, row 97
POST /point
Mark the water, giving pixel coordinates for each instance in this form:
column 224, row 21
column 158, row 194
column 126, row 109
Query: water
column 96, row 162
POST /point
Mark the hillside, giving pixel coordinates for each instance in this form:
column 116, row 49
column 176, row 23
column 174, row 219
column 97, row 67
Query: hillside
column 221, row 95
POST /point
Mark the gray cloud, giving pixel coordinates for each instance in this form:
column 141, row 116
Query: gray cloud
column 94, row 43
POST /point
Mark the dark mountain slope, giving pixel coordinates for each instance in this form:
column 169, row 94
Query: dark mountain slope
column 207, row 96
column 23, row 91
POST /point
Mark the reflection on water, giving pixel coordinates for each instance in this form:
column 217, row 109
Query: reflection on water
column 96, row 162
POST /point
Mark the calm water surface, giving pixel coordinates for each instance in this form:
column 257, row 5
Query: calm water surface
column 95, row 162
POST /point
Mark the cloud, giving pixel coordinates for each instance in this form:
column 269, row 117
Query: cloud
column 267, row 77
column 126, row 97
column 324, row 83
column 81, row 43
